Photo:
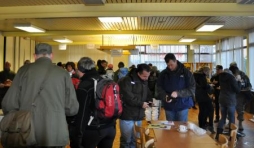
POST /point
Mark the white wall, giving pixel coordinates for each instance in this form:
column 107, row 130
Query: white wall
column 1, row 52
column 19, row 49
column 75, row 52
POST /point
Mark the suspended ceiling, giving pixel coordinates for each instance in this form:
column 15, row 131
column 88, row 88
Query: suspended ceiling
column 144, row 21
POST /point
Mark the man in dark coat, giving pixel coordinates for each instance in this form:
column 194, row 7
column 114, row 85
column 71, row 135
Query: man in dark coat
column 203, row 89
column 136, row 97
column 242, row 98
column 87, row 130
column 230, row 86
column 215, row 81
column 6, row 78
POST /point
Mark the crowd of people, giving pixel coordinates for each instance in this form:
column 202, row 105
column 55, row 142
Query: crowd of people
column 64, row 109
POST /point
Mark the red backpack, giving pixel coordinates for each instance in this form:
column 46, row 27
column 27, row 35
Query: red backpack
column 107, row 99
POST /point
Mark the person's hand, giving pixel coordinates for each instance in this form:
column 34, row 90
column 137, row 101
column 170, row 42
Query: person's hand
column 168, row 99
column 212, row 85
column 215, row 82
column 174, row 94
column 145, row 105
column 1, row 85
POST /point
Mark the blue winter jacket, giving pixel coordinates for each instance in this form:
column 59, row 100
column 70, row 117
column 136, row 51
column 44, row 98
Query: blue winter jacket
column 180, row 80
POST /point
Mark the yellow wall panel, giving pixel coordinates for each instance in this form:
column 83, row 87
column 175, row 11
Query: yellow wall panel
column 1, row 52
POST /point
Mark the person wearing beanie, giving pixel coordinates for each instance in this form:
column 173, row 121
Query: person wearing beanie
column 110, row 72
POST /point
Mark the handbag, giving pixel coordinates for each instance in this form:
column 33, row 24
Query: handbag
column 17, row 126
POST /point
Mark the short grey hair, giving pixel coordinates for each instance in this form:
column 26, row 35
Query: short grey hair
column 85, row 64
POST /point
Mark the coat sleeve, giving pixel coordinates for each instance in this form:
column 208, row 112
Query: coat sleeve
column 11, row 99
column 189, row 91
column 85, row 104
column 161, row 93
column 127, row 95
column 236, row 85
column 71, row 102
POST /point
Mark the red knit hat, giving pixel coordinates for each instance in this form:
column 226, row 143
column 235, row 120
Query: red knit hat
column 110, row 65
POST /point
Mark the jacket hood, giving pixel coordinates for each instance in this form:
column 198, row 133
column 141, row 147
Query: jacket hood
column 224, row 76
column 90, row 74
column 124, row 70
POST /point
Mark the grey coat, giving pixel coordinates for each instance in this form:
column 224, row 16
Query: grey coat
column 229, row 87
column 56, row 100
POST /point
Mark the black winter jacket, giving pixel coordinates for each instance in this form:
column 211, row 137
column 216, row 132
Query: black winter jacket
column 85, row 96
column 202, row 87
column 134, row 93
column 229, row 87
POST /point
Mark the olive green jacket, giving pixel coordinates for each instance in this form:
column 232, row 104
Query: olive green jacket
column 56, row 100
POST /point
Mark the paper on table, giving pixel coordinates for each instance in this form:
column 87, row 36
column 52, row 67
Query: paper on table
column 167, row 122
column 159, row 126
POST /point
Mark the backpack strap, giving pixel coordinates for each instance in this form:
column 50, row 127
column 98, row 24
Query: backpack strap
column 95, row 111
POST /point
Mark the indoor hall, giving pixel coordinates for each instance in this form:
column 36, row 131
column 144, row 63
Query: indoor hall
column 150, row 28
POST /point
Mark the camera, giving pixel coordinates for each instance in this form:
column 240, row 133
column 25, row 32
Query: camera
column 169, row 99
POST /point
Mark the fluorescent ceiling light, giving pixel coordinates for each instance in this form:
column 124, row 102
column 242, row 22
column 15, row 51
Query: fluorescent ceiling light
column 63, row 40
column 28, row 28
column 186, row 40
column 209, row 27
column 110, row 19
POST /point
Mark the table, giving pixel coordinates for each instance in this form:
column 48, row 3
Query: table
column 174, row 139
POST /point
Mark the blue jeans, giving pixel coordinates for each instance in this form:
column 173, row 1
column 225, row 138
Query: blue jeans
column 127, row 139
column 177, row 115
column 226, row 111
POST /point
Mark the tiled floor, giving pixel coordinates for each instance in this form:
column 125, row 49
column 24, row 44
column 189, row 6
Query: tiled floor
column 245, row 142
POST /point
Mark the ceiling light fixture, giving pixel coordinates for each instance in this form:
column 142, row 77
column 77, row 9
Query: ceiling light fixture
column 188, row 40
column 28, row 28
column 110, row 19
column 209, row 27
column 64, row 40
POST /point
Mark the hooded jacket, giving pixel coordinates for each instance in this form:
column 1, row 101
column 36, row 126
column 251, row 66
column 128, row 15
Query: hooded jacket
column 180, row 80
column 202, row 87
column 229, row 87
column 134, row 93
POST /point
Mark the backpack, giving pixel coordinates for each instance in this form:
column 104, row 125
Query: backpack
column 108, row 103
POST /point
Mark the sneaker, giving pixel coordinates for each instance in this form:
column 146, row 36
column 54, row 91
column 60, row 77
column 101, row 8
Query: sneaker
column 239, row 134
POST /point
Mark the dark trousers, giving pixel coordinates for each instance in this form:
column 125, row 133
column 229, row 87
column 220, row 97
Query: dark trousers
column 206, row 110
column 217, row 105
column 102, row 138
column 240, row 106
column 47, row 147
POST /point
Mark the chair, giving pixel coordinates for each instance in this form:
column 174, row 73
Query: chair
column 139, row 135
column 147, row 136
column 233, row 133
column 149, row 143
column 223, row 141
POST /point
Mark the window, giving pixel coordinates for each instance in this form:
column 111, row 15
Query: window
column 251, row 60
column 231, row 50
column 156, row 56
